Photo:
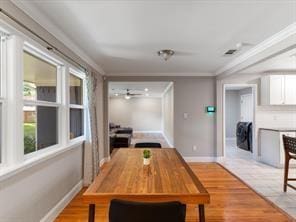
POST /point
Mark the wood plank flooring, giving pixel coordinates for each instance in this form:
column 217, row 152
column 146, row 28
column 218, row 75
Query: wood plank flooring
column 231, row 200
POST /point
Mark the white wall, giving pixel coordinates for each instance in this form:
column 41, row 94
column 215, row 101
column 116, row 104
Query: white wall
column 140, row 113
column 29, row 195
column 168, row 114
column 276, row 117
column 232, row 112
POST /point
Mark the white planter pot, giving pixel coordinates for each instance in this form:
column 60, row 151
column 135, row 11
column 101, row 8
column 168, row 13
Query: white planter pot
column 146, row 161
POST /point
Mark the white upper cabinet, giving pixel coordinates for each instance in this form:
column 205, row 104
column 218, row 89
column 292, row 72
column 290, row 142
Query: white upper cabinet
column 278, row 90
column 290, row 89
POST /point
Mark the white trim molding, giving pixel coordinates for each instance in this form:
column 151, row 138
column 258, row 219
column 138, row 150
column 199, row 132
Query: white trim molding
column 147, row 131
column 104, row 160
column 167, row 140
column 183, row 74
column 167, row 88
column 266, row 47
column 58, row 208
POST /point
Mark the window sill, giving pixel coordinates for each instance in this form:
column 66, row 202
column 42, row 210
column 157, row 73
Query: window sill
column 9, row 171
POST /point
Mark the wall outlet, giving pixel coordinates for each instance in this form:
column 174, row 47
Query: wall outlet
column 194, row 147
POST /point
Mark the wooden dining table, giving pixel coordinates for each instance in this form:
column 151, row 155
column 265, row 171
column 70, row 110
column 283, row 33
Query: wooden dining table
column 167, row 178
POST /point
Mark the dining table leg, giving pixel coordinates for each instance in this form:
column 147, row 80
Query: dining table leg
column 91, row 212
column 201, row 210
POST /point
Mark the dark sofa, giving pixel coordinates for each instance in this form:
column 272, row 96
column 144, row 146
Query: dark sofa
column 119, row 136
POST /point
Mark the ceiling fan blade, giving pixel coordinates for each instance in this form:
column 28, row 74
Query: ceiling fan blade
column 135, row 94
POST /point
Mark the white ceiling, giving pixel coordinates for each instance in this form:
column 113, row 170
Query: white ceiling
column 124, row 36
column 155, row 89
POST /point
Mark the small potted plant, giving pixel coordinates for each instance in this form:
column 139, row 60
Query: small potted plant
column 146, row 157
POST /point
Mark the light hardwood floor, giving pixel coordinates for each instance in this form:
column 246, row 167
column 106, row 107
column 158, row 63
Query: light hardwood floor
column 231, row 200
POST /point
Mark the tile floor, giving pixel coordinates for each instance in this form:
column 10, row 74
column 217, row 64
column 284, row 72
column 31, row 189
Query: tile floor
column 266, row 180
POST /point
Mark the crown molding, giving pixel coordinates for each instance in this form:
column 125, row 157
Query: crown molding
column 162, row 74
column 32, row 11
column 239, row 63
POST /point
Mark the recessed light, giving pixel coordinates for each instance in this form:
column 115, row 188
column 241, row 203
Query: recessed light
column 147, row 94
column 146, row 89
column 116, row 94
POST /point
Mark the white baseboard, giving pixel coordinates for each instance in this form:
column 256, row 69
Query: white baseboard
column 104, row 160
column 57, row 209
column 167, row 140
column 147, row 131
column 200, row 159
column 219, row 158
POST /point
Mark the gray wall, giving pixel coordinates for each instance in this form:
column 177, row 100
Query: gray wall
column 32, row 193
column 142, row 114
column 29, row 195
column 232, row 112
column 191, row 95
column 168, row 114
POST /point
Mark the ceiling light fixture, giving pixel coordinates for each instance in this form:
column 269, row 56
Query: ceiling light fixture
column 166, row 53
column 127, row 97
column 146, row 89
column 116, row 94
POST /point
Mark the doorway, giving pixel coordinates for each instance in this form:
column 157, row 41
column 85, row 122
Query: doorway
column 239, row 107
column 140, row 112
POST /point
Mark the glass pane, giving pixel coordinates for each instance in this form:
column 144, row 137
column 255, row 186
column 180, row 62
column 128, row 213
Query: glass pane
column 40, row 79
column 76, row 86
column 40, row 127
column 76, row 123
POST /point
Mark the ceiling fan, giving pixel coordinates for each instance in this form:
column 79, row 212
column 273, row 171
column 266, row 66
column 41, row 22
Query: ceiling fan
column 128, row 94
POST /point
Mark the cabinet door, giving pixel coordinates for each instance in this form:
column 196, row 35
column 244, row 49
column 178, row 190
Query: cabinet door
column 277, row 83
column 290, row 89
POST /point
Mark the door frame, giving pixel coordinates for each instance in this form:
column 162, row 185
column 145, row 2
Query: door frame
column 255, row 154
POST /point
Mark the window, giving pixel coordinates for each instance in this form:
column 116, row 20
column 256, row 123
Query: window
column 76, row 106
column 40, row 79
column 41, row 102
column 40, row 111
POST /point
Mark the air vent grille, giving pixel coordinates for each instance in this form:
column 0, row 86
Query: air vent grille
column 230, row 52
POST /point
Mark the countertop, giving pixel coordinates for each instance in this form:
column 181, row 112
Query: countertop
column 280, row 129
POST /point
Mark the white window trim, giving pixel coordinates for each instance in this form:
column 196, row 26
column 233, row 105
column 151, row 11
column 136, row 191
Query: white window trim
column 46, row 58
column 11, row 170
column 15, row 160
column 81, row 75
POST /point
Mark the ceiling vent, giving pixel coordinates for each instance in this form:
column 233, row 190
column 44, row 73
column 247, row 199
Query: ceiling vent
column 230, row 52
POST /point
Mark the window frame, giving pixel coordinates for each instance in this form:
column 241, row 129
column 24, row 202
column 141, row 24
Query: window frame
column 12, row 151
column 3, row 101
column 83, row 106
column 58, row 104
